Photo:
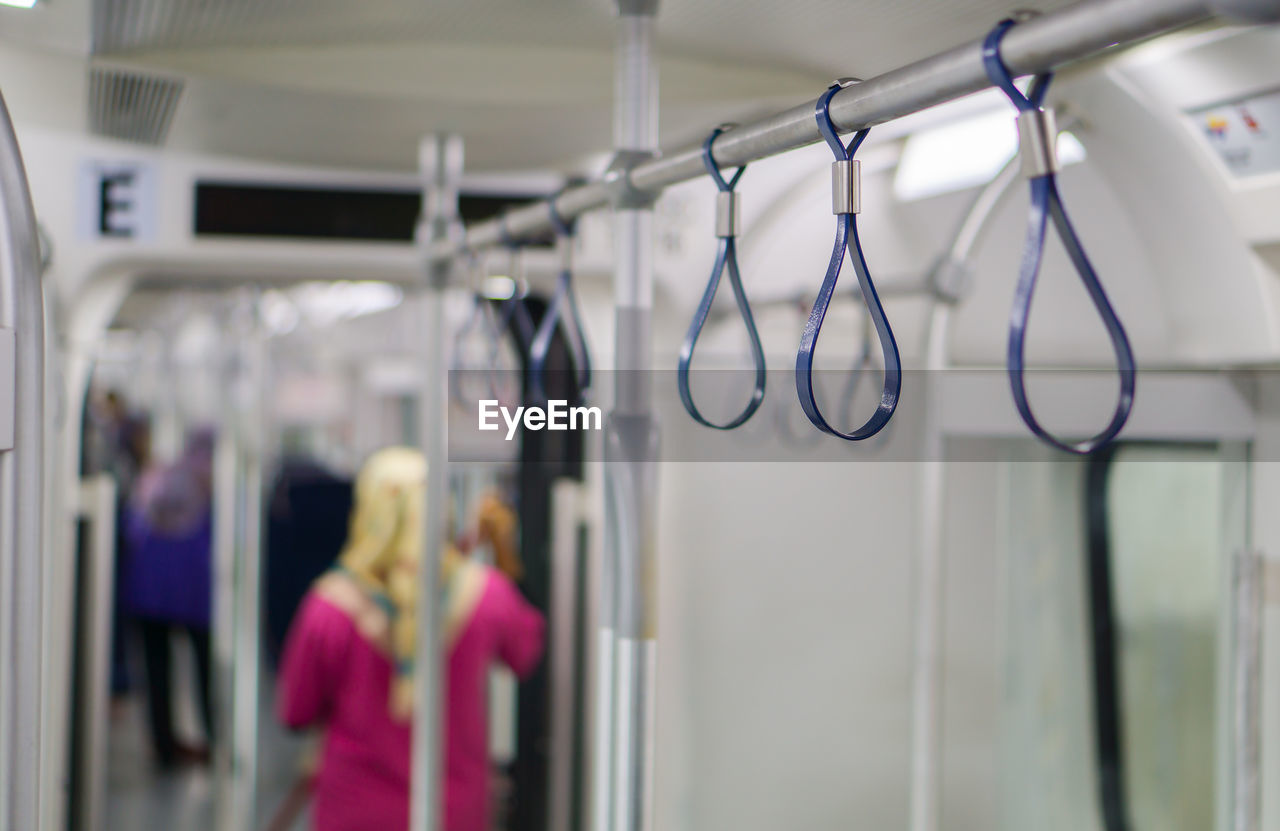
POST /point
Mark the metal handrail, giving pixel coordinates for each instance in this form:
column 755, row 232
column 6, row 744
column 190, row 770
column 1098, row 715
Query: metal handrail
column 1048, row 43
column 21, row 494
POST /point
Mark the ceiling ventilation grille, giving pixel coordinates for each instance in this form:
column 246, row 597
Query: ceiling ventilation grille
column 130, row 106
column 127, row 25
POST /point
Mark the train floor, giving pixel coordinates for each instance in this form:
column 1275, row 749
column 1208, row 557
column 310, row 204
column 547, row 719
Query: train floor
column 141, row 797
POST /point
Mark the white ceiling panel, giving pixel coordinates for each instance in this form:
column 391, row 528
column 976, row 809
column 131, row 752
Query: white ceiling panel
column 248, row 119
column 527, row 83
column 58, row 25
column 828, row 36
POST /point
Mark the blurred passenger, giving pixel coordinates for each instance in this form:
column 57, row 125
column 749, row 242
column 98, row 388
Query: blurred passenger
column 110, row 443
column 348, row 661
column 307, row 517
column 167, row 583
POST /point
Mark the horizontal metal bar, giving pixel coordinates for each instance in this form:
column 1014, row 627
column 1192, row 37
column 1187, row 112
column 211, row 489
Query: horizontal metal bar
column 1042, row 44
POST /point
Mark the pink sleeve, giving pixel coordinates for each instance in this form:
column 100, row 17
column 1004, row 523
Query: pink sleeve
column 522, row 630
column 314, row 653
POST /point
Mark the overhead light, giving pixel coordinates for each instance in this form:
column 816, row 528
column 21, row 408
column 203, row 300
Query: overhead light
column 19, row 4
column 964, row 154
column 323, row 304
column 499, row 287
column 278, row 313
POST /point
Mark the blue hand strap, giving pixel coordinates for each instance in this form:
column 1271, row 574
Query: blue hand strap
column 563, row 308
column 513, row 307
column 493, row 325
column 726, row 258
column 847, row 240
column 1045, row 204
column 999, row 74
column 481, row 316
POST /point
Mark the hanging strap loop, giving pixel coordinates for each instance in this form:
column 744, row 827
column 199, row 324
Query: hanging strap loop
column 505, row 238
column 513, row 307
column 1037, row 140
column 482, row 317
column 562, row 309
column 728, row 221
column 845, row 205
column 562, row 225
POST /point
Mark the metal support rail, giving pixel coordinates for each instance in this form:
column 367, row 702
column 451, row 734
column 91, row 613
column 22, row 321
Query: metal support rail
column 628, row 608
column 22, row 463
column 238, row 471
column 440, row 162
column 950, row 283
column 95, row 502
column 1044, row 44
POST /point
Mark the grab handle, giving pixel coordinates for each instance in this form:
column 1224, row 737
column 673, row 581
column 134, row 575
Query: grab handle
column 484, row 318
column 728, row 222
column 1037, row 146
column 845, row 198
column 562, row 313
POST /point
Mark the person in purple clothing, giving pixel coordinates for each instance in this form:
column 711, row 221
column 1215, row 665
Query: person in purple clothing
column 166, row 584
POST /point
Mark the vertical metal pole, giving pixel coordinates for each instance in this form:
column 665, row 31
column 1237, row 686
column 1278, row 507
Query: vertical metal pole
column 949, row 280
column 926, row 677
column 167, row 435
column 1246, row 659
column 237, row 571
column 631, row 447
column 226, row 473
column 97, row 503
column 565, row 693
column 22, row 494
column 602, row 753
column 440, row 161
column 248, row 657
column 59, row 586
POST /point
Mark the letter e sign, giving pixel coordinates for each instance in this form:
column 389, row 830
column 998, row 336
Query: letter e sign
column 117, row 201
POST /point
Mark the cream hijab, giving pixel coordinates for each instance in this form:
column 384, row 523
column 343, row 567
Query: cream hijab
column 376, row 581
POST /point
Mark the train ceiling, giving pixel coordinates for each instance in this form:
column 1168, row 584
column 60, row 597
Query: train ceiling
column 528, row 83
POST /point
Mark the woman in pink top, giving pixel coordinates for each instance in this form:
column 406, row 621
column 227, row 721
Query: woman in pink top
column 347, row 662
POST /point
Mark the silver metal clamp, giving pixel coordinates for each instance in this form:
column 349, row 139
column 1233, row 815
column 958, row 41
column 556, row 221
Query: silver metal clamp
column 1037, row 143
column 846, row 187
column 728, row 214
column 623, row 195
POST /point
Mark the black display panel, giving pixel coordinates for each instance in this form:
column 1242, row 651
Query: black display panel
column 373, row 214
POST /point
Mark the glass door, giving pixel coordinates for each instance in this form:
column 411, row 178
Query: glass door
column 1117, row 574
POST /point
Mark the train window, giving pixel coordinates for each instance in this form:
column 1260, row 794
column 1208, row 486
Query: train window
column 1116, row 569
